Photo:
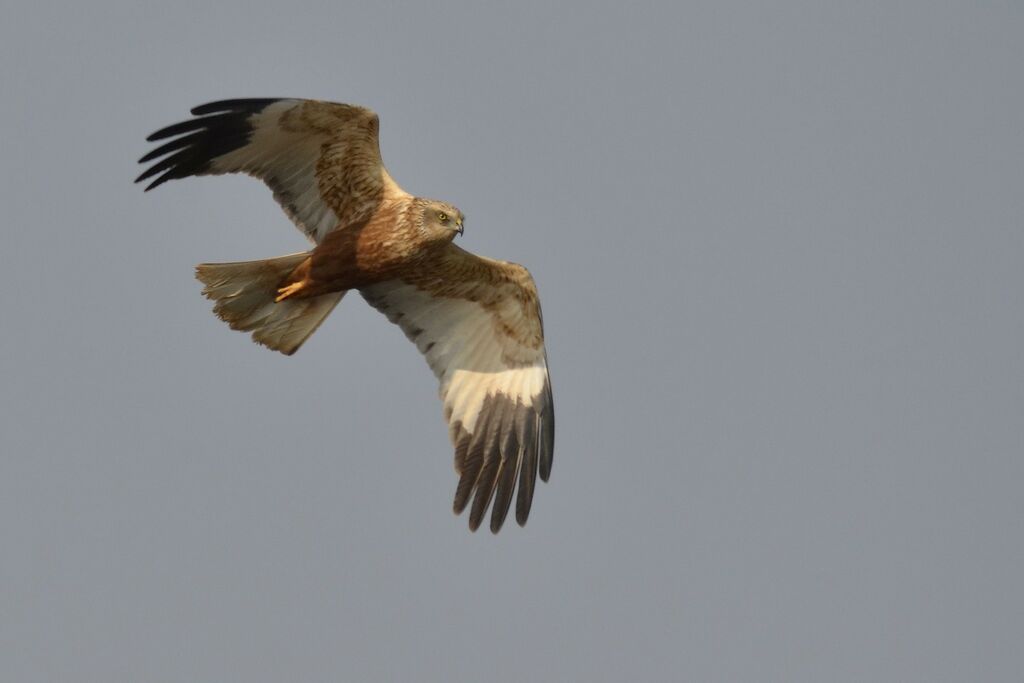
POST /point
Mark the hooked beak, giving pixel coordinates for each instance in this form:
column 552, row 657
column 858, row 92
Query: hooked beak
column 458, row 224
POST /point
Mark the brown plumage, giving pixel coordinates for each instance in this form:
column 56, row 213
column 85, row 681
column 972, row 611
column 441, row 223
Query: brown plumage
column 476, row 320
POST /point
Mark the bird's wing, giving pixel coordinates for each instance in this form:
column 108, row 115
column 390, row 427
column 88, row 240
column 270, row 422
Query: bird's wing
column 321, row 159
column 478, row 322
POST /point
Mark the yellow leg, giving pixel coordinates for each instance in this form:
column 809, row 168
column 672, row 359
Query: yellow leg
column 288, row 291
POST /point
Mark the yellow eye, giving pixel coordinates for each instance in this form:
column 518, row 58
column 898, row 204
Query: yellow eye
column 443, row 217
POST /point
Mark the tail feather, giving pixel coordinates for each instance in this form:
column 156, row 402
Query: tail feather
column 244, row 293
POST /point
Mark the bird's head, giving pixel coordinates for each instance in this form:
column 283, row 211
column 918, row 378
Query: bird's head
column 441, row 220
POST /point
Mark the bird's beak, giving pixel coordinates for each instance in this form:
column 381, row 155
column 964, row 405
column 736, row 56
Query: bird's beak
column 458, row 224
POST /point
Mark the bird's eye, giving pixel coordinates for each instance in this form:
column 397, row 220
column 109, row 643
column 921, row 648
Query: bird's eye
column 443, row 217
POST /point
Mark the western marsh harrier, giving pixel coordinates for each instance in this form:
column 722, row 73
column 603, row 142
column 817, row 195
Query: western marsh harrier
column 476, row 320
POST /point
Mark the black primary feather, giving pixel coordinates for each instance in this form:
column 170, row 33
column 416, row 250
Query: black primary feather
column 528, row 467
column 220, row 127
column 547, row 434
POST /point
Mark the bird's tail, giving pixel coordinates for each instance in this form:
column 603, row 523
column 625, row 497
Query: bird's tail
column 244, row 293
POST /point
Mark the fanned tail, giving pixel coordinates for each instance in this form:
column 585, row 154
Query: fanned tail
column 244, row 293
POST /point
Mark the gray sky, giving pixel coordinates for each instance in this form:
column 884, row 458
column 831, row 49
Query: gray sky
column 781, row 257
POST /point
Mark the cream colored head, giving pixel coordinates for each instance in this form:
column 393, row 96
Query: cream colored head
column 441, row 220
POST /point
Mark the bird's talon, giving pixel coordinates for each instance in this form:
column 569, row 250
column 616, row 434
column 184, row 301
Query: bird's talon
column 285, row 292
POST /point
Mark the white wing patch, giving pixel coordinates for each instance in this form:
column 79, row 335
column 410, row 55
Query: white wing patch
column 467, row 355
column 476, row 320
column 320, row 159
column 495, row 389
column 286, row 161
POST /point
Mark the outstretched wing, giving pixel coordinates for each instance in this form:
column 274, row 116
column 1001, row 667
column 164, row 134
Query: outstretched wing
column 478, row 323
column 321, row 159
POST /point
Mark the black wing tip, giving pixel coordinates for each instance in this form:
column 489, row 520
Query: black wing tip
column 487, row 479
column 547, row 435
column 156, row 183
column 499, row 512
column 219, row 128
column 251, row 105
column 485, row 489
column 496, row 521
column 508, row 473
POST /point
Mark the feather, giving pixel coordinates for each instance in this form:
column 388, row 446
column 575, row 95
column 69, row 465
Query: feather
column 478, row 324
column 476, row 320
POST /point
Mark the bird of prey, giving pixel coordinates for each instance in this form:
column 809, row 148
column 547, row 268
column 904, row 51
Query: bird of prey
column 476, row 320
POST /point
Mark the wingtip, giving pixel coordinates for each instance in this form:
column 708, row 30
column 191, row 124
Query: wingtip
column 252, row 104
column 156, row 183
column 143, row 176
column 498, row 521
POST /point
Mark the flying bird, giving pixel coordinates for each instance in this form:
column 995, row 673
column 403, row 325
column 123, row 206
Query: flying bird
column 476, row 320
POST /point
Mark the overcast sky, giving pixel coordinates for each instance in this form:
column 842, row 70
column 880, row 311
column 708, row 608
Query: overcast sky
column 780, row 251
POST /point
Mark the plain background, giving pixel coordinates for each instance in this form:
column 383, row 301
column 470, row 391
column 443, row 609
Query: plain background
column 781, row 257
